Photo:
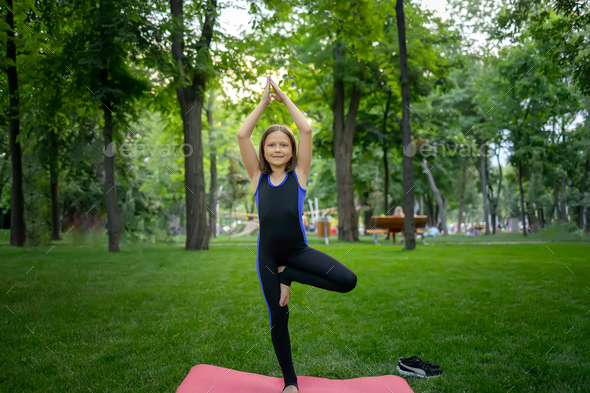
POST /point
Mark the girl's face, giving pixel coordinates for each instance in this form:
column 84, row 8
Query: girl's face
column 277, row 149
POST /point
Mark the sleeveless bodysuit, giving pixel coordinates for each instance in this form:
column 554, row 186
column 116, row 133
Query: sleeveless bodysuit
column 282, row 242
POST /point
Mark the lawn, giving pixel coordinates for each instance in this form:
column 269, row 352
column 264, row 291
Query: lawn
column 497, row 318
column 549, row 235
column 554, row 234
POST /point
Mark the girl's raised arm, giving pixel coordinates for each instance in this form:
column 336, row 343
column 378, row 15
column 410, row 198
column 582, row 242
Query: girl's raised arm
column 305, row 140
column 245, row 133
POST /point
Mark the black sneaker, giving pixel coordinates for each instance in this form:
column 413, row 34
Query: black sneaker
column 433, row 365
column 417, row 368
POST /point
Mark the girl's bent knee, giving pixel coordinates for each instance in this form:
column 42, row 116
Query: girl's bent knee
column 350, row 282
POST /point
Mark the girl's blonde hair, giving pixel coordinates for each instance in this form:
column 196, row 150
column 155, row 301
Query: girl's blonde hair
column 399, row 211
column 263, row 163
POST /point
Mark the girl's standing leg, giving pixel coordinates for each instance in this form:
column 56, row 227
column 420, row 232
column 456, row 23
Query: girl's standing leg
column 313, row 267
column 279, row 316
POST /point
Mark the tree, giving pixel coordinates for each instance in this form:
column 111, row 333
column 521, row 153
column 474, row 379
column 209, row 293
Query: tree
column 439, row 201
column 17, row 203
column 104, row 48
column 213, row 169
column 563, row 24
column 408, row 167
column 49, row 109
column 191, row 96
column 237, row 186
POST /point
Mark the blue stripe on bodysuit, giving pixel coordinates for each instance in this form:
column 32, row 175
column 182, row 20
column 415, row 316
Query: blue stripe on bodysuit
column 301, row 198
column 258, row 254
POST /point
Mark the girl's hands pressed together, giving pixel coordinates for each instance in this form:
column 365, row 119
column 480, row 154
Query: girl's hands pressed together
column 266, row 100
column 279, row 95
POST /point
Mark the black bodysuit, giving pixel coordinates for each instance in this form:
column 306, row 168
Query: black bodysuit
column 282, row 242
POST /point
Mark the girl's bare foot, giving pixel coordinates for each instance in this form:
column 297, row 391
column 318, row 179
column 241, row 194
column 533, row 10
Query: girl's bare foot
column 291, row 389
column 284, row 295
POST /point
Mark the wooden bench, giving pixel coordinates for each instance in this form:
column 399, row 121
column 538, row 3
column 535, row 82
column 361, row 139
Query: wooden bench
column 384, row 231
column 395, row 224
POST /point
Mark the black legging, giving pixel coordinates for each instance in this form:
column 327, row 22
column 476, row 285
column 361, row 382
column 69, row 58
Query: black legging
column 306, row 266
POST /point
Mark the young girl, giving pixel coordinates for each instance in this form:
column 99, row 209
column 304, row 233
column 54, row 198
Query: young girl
column 282, row 255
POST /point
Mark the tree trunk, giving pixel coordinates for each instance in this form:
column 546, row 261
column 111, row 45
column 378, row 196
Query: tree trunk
column 484, row 189
column 213, row 160
column 367, row 213
column 556, row 208
column 1, row 210
column 386, row 207
column 581, row 215
column 17, row 199
column 563, row 204
column 54, row 187
column 113, row 217
column 385, row 147
column 521, row 198
column 493, row 223
column 461, row 197
column 532, row 216
column 55, row 213
column 431, row 217
column 436, row 214
column 497, row 197
column 191, row 98
column 439, row 201
column 343, row 138
column 407, row 162
column 492, row 205
column 421, row 203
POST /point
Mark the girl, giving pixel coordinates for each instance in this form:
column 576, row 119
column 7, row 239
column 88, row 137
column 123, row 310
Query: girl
column 282, row 255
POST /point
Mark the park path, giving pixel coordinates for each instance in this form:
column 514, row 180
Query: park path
column 533, row 242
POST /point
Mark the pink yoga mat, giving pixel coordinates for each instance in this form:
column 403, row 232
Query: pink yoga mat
column 204, row 378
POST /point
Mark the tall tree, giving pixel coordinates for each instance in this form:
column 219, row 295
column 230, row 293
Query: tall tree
column 104, row 46
column 408, row 166
column 483, row 160
column 437, row 196
column 213, row 169
column 47, row 107
column 461, row 197
column 344, row 128
column 17, row 200
column 191, row 95
column 385, row 148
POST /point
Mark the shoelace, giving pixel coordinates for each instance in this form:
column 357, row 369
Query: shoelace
column 423, row 363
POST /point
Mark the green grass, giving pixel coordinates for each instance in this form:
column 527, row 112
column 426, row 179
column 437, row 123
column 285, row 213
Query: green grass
column 495, row 317
column 546, row 236
column 549, row 235
column 312, row 239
